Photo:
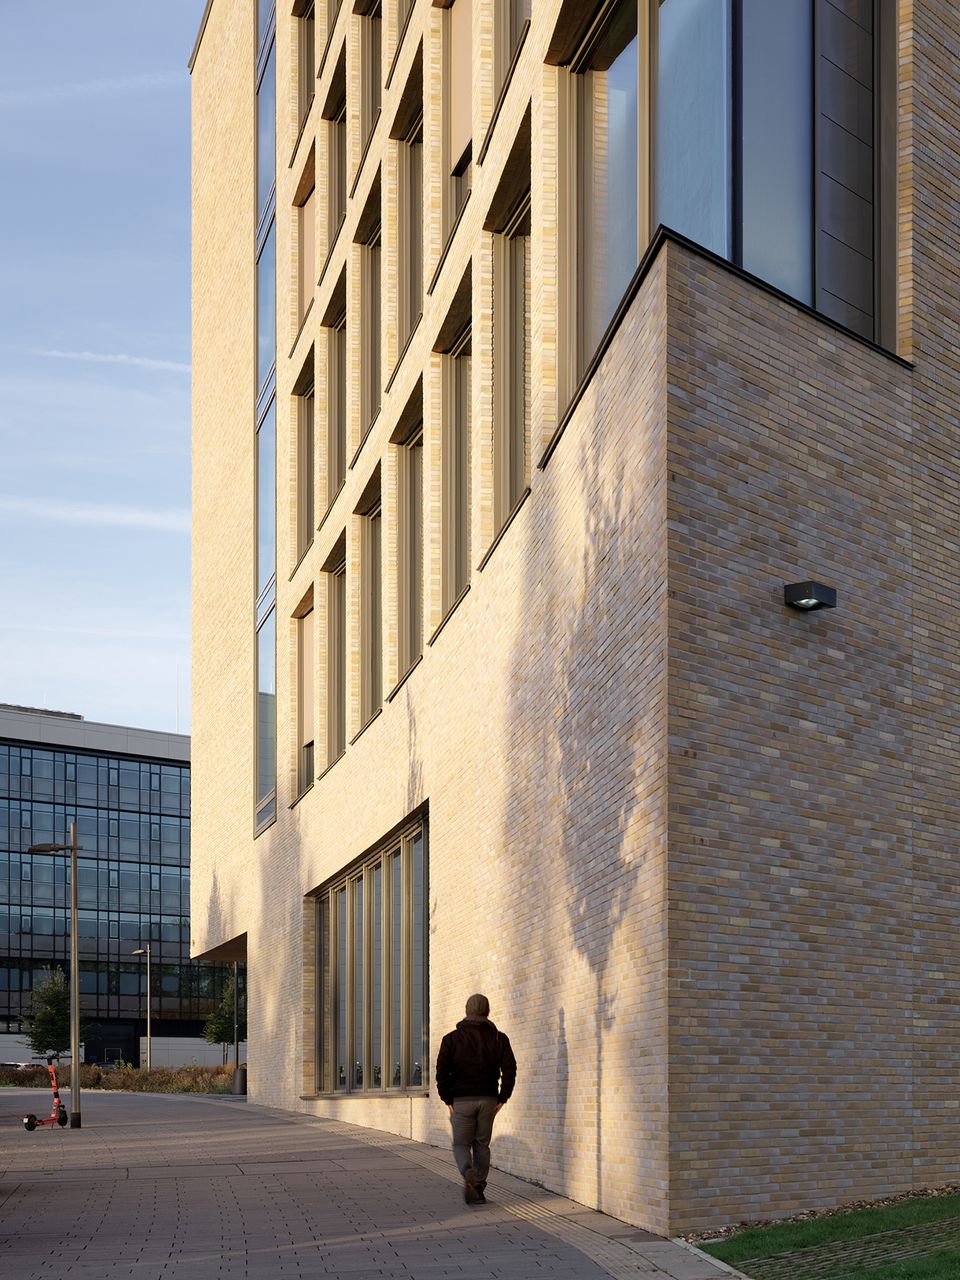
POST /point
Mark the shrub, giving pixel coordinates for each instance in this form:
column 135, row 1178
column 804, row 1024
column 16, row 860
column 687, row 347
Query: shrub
column 126, row 1078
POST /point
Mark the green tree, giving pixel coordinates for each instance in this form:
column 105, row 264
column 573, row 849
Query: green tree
column 218, row 1028
column 48, row 1017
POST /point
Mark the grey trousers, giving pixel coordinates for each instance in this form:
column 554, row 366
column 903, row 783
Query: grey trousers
column 472, row 1122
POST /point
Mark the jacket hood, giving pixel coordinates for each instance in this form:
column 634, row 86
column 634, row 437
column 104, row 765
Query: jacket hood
column 474, row 1021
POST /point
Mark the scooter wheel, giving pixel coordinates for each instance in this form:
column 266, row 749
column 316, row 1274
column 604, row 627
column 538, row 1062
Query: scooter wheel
column 62, row 1117
column 30, row 1123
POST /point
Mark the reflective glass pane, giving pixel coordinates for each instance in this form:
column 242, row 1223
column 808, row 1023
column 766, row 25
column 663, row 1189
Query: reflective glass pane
column 396, row 968
column 778, row 143
column 358, row 988
column 418, row 974
column 267, row 306
column 267, row 707
column 693, row 189
column 607, row 139
column 376, row 978
column 267, row 498
column 266, row 132
column 342, row 1048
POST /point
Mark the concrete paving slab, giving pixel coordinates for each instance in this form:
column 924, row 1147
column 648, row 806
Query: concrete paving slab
column 192, row 1188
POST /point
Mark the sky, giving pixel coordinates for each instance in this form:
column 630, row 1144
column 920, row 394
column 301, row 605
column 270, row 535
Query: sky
column 95, row 358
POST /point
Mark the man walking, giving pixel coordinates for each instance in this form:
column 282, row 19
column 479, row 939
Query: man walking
column 476, row 1072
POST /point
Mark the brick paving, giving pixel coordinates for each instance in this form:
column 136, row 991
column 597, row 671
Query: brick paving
column 157, row 1187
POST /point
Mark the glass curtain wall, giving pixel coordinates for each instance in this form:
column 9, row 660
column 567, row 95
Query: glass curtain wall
column 758, row 144
column 265, row 419
column 133, row 887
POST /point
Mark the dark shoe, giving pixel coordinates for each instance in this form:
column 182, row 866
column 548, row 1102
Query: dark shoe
column 481, row 1198
column 470, row 1192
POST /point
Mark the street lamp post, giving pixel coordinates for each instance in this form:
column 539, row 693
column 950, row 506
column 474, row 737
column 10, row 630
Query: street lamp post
column 71, row 848
column 145, row 951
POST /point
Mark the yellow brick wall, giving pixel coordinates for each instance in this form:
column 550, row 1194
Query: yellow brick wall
column 698, row 850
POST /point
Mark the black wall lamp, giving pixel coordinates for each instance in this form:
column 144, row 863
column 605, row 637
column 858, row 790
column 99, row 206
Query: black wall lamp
column 809, row 595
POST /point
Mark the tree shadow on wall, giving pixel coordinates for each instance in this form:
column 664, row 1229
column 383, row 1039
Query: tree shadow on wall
column 579, row 650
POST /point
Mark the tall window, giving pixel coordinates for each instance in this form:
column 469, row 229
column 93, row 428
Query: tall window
column 511, row 362
column 336, row 658
column 265, row 417
column 307, row 66
column 372, row 995
column 267, row 719
column 460, row 104
column 336, row 406
column 410, row 530
column 607, row 240
column 307, row 265
column 305, row 687
column 768, row 147
column 305, row 468
column 336, row 169
column 456, row 470
column 371, row 71
column 370, row 320
column 411, row 231
column 371, row 613
column 513, row 18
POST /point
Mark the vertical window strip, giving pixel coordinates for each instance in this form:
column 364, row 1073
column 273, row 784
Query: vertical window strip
column 305, row 715
column 371, row 332
column 511, row 359
column 372, row 615
column 456, row 470
column 265, row 357
column 411, row 552
column 372, row 986
column 306, row 470
column 336, row 408
column 336, row 664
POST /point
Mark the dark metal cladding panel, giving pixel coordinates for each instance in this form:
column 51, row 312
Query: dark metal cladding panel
column 845, row 163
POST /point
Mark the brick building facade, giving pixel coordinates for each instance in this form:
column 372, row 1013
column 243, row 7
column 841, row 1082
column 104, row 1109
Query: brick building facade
column 543, row 724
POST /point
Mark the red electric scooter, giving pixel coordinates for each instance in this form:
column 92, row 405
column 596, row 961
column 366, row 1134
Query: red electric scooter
column 58, row 1113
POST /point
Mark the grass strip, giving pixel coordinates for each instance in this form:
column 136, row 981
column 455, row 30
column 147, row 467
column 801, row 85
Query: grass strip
column 761, row 1242
column 942, row 1265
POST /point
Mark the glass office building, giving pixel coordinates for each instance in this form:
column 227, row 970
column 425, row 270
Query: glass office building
column 129, row 792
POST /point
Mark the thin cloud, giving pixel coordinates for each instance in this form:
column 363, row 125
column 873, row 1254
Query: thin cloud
column 98, row 633
column 108, row 87
column 119, row 357
column 88, row 513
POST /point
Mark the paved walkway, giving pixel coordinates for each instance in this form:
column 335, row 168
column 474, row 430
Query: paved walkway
column 190, row 1188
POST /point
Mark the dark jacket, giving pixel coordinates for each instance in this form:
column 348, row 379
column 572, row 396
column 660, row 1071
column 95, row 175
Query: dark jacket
column 475, row 1061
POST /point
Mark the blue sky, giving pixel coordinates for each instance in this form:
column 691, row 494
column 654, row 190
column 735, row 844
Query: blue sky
column 94, row 358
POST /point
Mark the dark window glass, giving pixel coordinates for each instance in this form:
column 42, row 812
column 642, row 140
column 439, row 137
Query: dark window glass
column 342, row 1006
column 267, row 498
column 607, row 107
column 267, row 708
column 359, row 993
column 376, row 977
column 693, row 186
column 418, row 976
column 777, row 144
column 396, row 969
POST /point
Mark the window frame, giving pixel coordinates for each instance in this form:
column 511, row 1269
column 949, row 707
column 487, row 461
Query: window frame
column 456, row 480
column 332, row 942
column 512, row 351
column 410, row 558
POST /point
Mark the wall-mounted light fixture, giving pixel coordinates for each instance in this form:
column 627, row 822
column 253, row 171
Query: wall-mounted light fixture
column 809, row 595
